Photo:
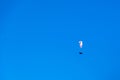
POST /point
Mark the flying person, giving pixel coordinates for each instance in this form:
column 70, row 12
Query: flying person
column 81, row 45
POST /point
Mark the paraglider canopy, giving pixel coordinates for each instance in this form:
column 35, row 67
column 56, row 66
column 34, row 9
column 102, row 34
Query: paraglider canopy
column 81, row 44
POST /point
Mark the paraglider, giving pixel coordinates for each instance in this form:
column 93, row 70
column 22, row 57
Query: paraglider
column 81, row 45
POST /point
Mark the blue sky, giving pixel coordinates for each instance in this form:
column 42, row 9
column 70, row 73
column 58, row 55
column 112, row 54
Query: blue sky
column 39, row 40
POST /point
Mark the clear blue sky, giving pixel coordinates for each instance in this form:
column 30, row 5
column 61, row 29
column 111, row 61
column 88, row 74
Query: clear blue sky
column 39, row 39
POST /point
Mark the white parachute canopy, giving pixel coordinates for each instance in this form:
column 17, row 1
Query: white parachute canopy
column 81, row 44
